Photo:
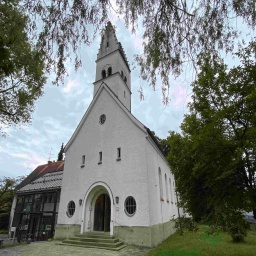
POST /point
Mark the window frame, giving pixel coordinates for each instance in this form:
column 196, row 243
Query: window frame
column 100, row 157
column 109, row 71
column 118, row 154
column 166, row 189
column 134, row 206
column 83, row 161
column 103, row 74
column 102, row 119
column 72, row 209
column 160, row 184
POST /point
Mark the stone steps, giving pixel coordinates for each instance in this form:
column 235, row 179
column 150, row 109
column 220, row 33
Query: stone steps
column 99, row 240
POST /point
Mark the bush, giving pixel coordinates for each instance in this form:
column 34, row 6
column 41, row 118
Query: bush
column 185, row 223
column 233, row 222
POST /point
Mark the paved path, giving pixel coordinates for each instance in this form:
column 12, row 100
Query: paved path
column 53, row 249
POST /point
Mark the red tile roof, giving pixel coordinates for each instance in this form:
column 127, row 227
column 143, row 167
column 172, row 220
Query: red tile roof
column 42, row 170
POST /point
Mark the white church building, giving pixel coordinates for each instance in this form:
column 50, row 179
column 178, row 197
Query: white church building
column 115, row 177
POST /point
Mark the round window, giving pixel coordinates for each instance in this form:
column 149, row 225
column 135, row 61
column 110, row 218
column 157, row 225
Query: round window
column 102, row 119
column 71, row 208
column 130, row 206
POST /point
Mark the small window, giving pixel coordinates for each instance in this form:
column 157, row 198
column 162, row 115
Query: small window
column 174, row 191
column 124, row 94
column 103, row 74
column 160, row 184
column 83, row 161
column 107, row 44
column 166, row 188
column 49, row 199
column 122, row 74
column 125, row 79
column 109, row 71
column 118, row 154
column 102, row 119
column 100, row 158
column 130, row 206
column 71, row 208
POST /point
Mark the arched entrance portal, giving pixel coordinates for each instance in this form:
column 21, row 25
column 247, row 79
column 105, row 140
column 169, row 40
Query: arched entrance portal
column 98, row 209
column 102, row 212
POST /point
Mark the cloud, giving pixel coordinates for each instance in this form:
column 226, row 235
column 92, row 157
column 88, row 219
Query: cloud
column 33, row 161
column 138, row 43
column 180, row 96
column 20, row 155
column 70, row 85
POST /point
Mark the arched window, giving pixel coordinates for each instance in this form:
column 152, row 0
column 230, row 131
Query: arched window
column 174, row 193
column 166, row 188
column 103, row 73
column 160, row 184
column 109, row 71
column 171, row 194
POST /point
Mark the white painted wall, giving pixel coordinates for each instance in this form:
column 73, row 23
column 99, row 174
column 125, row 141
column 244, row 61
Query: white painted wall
column 160, row 211
column 125, row 178
column 115, row 81
column 118, row 86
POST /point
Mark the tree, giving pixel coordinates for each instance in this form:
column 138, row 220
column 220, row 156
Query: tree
column 214, row 158
column 7, row 188
column 174, row 31
column 193, row 194
column 21, row 67
column 60, row 155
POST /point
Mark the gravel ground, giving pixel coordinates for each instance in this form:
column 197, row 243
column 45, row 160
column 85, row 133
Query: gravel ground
column 54, row 249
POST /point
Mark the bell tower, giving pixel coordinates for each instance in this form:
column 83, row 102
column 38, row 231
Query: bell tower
column 112, row 67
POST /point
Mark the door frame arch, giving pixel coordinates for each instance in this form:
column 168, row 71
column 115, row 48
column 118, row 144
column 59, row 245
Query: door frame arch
column 90, row 198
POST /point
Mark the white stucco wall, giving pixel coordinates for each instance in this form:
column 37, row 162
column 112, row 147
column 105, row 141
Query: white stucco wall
column 116, row 61
column 118, row 86
column 125, row 178
column 160, row 211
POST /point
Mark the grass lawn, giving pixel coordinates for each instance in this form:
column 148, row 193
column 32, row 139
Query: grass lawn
column 200, row 244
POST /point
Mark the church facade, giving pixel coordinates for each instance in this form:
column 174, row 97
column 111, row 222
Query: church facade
column 115, row 176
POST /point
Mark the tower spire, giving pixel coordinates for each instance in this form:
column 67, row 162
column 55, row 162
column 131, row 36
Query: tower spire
column 112, row 67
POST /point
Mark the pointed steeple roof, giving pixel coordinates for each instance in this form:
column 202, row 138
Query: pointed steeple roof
column 109, row 44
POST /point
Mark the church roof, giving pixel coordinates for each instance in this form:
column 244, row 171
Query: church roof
column 41, row 170
column 52, row 180
column 123, row 54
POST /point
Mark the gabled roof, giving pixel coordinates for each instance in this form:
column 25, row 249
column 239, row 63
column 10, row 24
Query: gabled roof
column 140, row 125
column 40, row 171
column 49, row 181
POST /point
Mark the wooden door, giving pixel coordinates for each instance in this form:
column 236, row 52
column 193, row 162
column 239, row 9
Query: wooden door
column 102, row 212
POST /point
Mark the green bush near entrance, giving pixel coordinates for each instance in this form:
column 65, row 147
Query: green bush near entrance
column 200, row 243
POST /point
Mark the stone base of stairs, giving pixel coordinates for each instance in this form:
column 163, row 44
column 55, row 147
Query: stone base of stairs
column 100, row 240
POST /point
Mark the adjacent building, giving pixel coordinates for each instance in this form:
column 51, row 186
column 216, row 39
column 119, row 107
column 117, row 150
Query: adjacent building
column 36, row 203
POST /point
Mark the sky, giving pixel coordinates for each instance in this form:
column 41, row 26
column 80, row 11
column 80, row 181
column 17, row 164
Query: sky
column 58, row 112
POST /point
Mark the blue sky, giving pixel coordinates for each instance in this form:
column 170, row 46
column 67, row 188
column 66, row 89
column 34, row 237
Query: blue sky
column 58, row 112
